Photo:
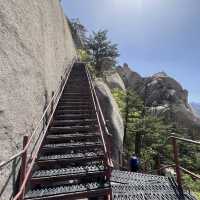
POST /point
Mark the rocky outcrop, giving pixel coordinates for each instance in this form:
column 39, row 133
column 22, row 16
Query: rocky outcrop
column 160, row 89
column 131, row 79
column 165, row 96
column 35, row 48
column 112, row 114
column 113, row 80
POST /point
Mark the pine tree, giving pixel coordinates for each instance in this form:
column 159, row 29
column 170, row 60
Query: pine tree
column 100, row 48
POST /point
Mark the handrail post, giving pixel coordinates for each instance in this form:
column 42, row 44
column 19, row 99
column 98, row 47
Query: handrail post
column 61, row 85
column 158, row 165
column 23, row 165
column 52, row 103
column 177, row 165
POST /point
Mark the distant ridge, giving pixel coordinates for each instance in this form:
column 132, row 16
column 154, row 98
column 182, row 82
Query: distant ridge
column 196, row 107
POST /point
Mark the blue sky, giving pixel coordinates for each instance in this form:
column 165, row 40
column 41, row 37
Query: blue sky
column 153, row 35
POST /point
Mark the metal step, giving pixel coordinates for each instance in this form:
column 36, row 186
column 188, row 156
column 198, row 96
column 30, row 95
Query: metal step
column 74, row 122
column 88, row 97
column 77, row 104
column 74, row 137
column 73, row 129
column 75, row 107
column 80, row 97
column 67, row 100
column 78, row 89
column 75, row 116
column 42, row 176
column 82, row 111
column 70, row 146
column 77, row 191
column 81, row 93
column 67, row 158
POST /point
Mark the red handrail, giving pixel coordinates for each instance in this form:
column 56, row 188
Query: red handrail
column 177, row 166
column 52, row 104
column 102, row 125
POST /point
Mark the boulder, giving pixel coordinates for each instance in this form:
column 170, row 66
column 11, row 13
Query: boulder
column 112, row 114
column 161, row 89
column 113, row 80
column 131, row 79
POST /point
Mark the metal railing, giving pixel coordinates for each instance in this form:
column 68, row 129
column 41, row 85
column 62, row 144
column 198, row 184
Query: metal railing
column 105, row 135
column 31, row 144
column 178, row 168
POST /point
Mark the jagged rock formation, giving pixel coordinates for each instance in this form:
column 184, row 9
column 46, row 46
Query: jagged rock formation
column 165, row 95
column 131, row 79
column 112, row 114
column 35, row 47
column 162, row 89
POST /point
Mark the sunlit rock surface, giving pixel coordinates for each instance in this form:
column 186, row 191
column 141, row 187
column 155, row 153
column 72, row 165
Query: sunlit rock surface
column 35, row 47
column 164, row 95
column 112, row 114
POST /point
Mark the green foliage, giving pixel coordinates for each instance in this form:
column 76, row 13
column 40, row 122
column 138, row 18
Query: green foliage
column 144, row 133
column 197, row 195
column 92, row 70
column 83, row 55
column 100, row 47
column 119, row 96
column 190, row 157
column 193, row 185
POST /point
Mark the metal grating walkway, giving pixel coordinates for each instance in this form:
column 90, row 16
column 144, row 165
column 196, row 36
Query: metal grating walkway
column 128, row 185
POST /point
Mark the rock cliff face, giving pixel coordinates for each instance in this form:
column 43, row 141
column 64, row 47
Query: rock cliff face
column 165, row 95
column 162, row 89
column 113, row 80
column 35, row 47
column 131, row 79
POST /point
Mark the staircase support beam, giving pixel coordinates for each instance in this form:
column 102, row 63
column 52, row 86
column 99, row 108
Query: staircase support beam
column 23, row 166
column 177, row 166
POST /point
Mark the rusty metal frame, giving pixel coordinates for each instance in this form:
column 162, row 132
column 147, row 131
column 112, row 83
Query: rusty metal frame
column 28, row 163
column 105, row 135
column 177, row 165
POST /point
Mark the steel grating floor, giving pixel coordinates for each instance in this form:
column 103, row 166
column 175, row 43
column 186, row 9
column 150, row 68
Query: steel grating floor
column 136, row 186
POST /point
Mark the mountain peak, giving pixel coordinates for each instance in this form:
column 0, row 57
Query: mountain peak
column 160, row 74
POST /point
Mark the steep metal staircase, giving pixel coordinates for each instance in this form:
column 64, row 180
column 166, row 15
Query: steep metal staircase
column 71, row 163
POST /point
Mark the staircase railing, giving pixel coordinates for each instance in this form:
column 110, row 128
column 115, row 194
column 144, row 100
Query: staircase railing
column 105, row 135
column 177, row 166
column 31, row 144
